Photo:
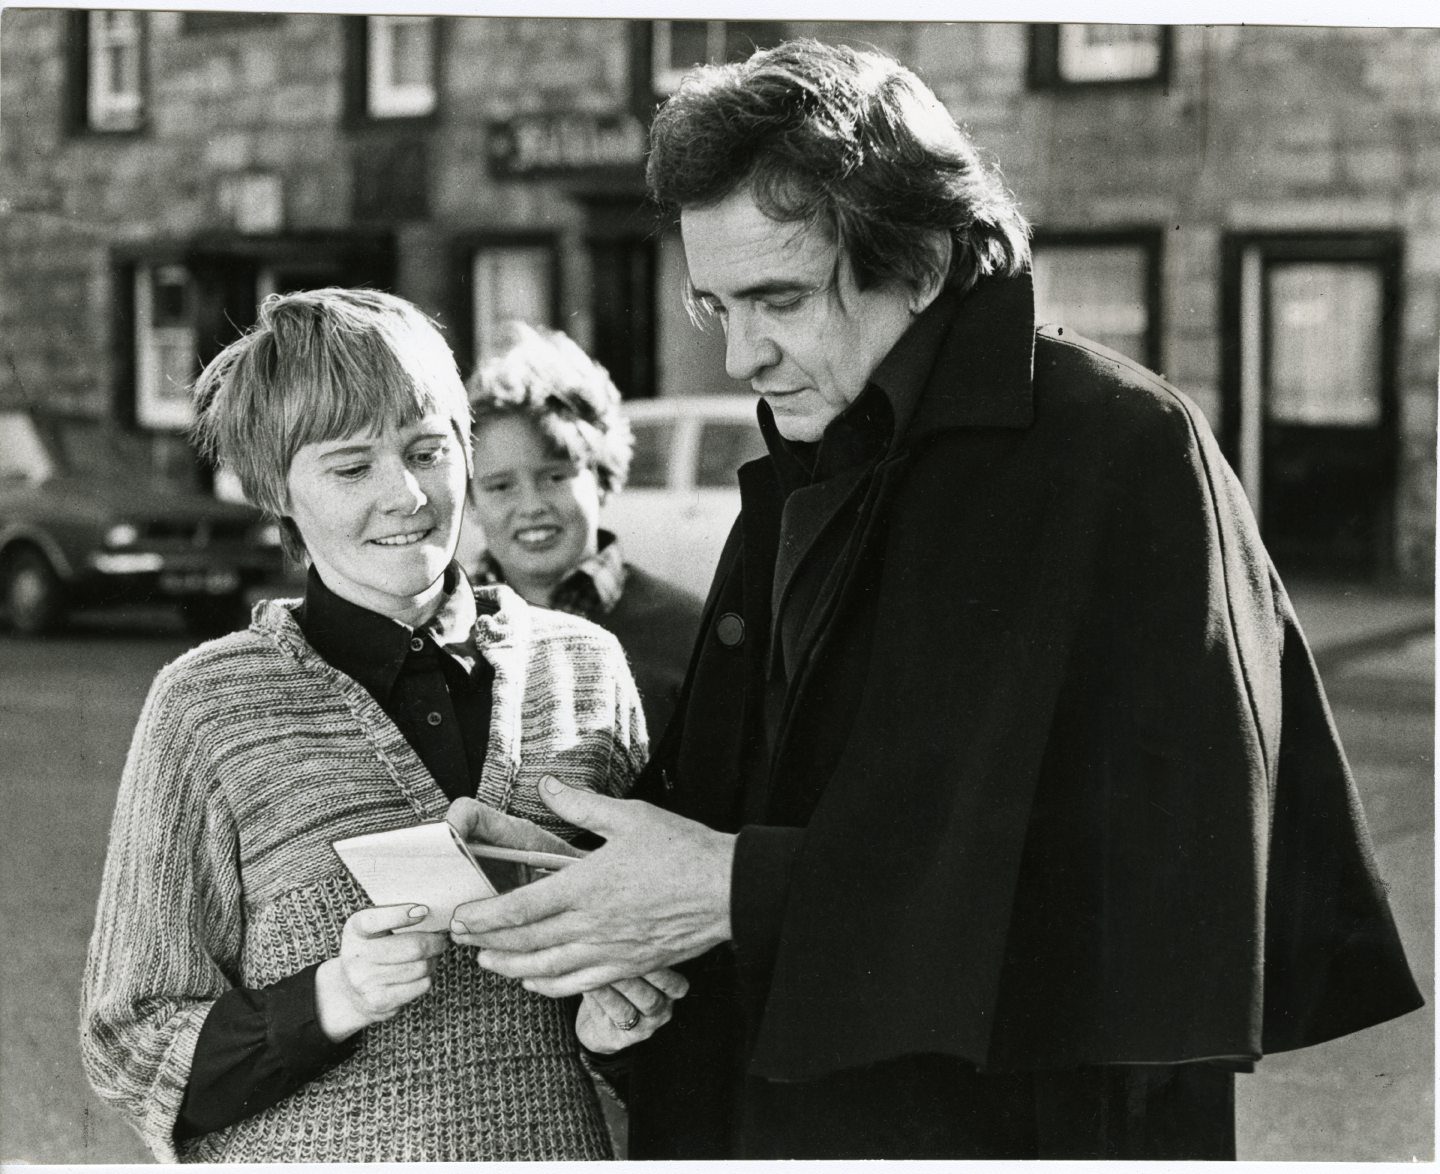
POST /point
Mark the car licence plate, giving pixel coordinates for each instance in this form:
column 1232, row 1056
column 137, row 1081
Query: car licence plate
column 199, row 582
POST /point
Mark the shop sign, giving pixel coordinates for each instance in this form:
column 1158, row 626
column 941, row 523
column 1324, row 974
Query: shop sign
column 566, row 143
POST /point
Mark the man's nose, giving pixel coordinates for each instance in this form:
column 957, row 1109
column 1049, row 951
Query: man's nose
column 401, row 493
column 749, row 349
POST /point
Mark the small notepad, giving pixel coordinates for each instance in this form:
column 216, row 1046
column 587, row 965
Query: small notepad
column 429, row 864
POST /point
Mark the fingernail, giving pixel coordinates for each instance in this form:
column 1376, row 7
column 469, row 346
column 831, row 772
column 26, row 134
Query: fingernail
column 417, row 912
column 458, row 926
column 551, row 784
column 527, row 984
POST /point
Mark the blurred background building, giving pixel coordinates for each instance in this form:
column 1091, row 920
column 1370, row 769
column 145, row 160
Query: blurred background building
column 1252, row 211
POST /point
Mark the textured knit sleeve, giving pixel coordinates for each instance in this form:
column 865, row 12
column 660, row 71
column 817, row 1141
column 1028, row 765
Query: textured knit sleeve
column 631, row 742
column 168, row 925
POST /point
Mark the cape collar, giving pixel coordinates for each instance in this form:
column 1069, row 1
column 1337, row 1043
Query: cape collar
column 983, row 366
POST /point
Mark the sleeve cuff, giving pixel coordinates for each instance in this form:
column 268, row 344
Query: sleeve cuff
column 292, row 1028
column 759, row 889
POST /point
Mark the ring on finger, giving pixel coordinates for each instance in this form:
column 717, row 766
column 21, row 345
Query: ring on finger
column 630, row 1021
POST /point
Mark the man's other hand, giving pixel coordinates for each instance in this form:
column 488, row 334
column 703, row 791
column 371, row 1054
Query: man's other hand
column 656, row 893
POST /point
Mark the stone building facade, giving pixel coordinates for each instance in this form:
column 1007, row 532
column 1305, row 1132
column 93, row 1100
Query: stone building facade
column 1252, row 211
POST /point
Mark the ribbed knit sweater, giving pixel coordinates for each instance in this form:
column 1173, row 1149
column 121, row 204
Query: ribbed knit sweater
column 252, row 754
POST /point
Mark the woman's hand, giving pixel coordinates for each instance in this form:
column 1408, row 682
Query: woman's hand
column 377, row 971
column 626, row 1012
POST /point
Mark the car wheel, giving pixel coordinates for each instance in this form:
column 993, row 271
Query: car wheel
column 214, row 615
column 34, row 595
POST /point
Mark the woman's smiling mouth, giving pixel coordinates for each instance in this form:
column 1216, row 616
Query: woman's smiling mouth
column 404, row 539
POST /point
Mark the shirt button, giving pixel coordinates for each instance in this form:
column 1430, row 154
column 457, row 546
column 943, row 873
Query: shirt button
column 730, row 629
column 417, row 644
column 433, row 718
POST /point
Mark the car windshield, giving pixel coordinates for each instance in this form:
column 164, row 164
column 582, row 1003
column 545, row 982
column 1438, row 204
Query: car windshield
column 34, row 448
column 24, row 455
column 650, row 464
column 725, row 445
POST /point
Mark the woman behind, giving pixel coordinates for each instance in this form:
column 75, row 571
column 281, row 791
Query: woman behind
column 241, row 1002
column 551, row 445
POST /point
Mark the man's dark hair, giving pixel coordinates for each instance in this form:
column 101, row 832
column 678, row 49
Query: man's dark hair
column 846, row 140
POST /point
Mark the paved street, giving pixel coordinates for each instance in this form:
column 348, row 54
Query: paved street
column 67, row 708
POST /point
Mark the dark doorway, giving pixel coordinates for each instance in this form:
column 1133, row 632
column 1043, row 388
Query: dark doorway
column 620, row 238
column 1310, row 411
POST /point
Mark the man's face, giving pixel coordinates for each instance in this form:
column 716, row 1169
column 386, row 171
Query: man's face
column 797, row 328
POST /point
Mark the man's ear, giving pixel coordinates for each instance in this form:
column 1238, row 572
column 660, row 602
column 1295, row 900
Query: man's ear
column 941, row 246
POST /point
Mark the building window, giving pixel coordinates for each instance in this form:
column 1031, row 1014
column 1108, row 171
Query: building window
column 678, row 45
column 1324, row 343
column 108, row 70
column 510, row 282
column 393, row 67
column 166, row 361
column 1104, row 286
column 1063, row 55
column 400, row 81
column 200, row 23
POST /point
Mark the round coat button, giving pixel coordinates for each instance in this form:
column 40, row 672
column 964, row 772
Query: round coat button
column 417, row 644
column 730, row 629
column 433, row 718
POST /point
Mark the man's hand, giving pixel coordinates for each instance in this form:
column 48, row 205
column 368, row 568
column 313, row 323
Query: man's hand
column 475, row 821
column 656, row 893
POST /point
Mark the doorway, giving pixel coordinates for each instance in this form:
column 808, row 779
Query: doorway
column 1309, row 394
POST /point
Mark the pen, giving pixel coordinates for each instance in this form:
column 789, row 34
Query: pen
column 546, row 860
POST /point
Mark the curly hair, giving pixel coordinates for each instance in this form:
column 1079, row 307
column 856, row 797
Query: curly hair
column 546, row 378
column 318, row 365
column 846, row 140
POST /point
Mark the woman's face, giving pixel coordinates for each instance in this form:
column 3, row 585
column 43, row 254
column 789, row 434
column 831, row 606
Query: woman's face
column 540, row 511
column 380, row 514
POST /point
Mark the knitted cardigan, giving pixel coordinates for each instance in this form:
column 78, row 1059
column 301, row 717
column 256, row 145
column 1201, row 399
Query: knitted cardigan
column 251, row 756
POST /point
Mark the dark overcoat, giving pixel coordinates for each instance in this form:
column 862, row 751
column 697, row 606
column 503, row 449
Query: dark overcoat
column 655, row 622
column 1053, row 782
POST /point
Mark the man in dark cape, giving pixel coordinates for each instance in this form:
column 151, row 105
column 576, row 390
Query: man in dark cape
column 1006, row 817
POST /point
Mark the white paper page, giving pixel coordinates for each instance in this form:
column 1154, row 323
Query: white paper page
column 422, row 865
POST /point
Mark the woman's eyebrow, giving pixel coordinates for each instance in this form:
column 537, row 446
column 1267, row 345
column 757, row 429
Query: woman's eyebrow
column 347, row 450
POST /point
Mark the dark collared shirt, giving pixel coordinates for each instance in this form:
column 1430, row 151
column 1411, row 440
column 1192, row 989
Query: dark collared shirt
column 258, row 1046
column 431, row 682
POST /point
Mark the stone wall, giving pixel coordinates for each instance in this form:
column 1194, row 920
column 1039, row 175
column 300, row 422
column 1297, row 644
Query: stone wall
column 1259, row 128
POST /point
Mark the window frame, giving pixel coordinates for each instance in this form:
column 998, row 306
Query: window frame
column 653, row 43
column 204, row 22
column 464, row 249
column 1150, row 239
column 664, row 77
column 1382, row 248
column 1043, row 69
column 358, row 80
column 155, row 411
column 80, row 76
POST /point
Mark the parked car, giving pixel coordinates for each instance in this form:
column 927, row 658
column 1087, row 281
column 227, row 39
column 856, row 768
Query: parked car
column 80, row 528
column 682, row 496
